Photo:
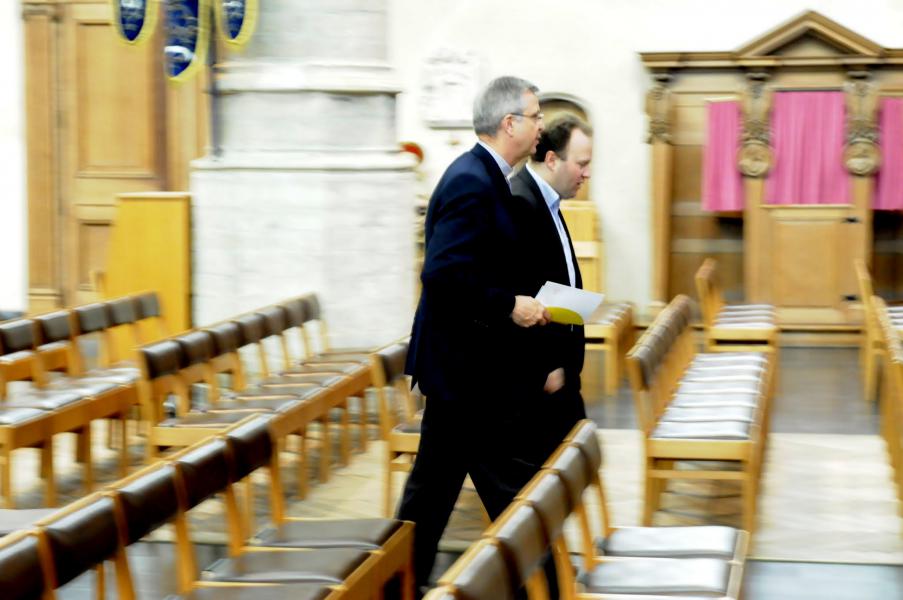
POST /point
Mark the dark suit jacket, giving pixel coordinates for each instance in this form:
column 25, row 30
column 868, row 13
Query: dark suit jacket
column 463, row 338
column 538, row 239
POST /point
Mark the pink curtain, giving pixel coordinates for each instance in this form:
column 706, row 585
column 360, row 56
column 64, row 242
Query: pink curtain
column 722, row 183
column 889, row 180
column 807, row 135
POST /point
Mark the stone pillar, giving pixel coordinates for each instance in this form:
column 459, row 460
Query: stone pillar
column 306, row 190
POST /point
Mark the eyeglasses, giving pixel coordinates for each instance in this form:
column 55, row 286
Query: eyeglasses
column 537, row 117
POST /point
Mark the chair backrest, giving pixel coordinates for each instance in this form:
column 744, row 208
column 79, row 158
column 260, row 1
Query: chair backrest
column 21, row 574
column 584, row 437
column 864, row 280
column 147, row 306
column 54, row 327
column 250, row 447
column 388, row 371
column 250, row 329
column 710, row 300
column 520, row 532
column 147, row 501
column 91, row 318
column 161, row 363
column 203, row 472
column 197, row 348
column 225, row 337
column 481, row 572
column 121, row 311
column 570, row 465
column 162, row 358
column 151, row 325
column 550, row 498
column 17, row 336
column 82, row 538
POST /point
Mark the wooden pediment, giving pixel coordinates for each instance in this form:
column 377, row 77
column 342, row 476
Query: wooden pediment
column 808, row 39
column 810, row 32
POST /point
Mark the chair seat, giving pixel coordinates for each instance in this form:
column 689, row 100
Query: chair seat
column 17, row 416
column 322, row 379
column 699, row 414
column 705, row 577
column 205, row 419
column 45, row 399
column 121, row 375
column 736, row 358
column 706, row 430
column 672, row 542
column 362, row 357
column 752, row 324
column 276, row 404
column 366, row 534
column 747, row 374
column 297, row 392
column 89, row 386
column 326, row 565
column 729, row 368
column 718, row 387
column 746, row 307
column 714, row 400
column 16, row 519
column 296, row 591
column 337, row 367
column 414, row 426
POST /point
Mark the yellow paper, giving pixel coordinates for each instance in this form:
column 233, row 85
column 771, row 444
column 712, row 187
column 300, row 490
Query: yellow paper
column 564, row 316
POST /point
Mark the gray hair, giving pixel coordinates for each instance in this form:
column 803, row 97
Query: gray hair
column 502, row 96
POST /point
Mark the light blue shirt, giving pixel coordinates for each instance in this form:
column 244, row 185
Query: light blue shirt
column 501, row 162
column 553, row 201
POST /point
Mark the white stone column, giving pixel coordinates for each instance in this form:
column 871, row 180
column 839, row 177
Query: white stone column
column 307, row 191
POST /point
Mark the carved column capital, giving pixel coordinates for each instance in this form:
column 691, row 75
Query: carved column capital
column 861, row 155
column 755, row 156
column 658, row 108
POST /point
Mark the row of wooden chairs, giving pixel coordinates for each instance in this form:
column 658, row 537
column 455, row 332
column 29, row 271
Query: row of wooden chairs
column 625, row 562
column 872, row 347
column 711, row 407
column 37, row 403
column 297, row 558
column 891, row 396
column 733, row 327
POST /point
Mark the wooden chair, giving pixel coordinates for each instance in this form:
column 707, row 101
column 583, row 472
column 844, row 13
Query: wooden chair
column 613, row 333
column 871, row 349
column 150, row 499
column 252, row 447
column 80, row 537
column 710, row 407
column 733, row 327
column 400, row 420
column 891, row 396
column 705, row 541
column 71, row 404
column 481, row 572
column 151, row 323
column 203, row 471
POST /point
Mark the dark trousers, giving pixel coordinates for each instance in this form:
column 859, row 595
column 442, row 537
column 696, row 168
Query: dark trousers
column 459, row 437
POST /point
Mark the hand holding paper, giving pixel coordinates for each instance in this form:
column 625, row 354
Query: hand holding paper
column 569, row 305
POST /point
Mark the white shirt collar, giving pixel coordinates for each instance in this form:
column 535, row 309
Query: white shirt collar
column 552, row 198
column 501, row 162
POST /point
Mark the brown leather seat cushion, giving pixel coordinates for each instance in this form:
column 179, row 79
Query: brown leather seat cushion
column 327, row 565
column 297, row 591
column 700, row 577
column 367, row 534
column 21, row 576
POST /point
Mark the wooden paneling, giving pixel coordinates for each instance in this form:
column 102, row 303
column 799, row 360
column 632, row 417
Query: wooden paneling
column 101, row 121
column 40, row 38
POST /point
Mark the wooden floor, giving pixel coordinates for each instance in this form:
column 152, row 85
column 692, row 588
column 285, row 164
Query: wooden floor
column 819, row 396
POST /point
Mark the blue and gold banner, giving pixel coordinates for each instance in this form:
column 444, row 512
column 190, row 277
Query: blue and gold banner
column 187, row 34
column 236, row 20
column 135, row 19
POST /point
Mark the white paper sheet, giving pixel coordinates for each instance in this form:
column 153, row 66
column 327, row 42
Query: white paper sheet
column 582, row 302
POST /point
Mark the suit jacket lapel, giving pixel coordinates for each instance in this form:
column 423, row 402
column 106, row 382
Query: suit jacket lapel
column 549, row 227
column 578, row 279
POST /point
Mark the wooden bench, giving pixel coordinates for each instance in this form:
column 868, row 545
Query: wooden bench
column 872, row 348
column 711, row 407
column 891, row 395
column 733, row 327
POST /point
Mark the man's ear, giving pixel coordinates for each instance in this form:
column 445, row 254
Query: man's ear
column 550, row 159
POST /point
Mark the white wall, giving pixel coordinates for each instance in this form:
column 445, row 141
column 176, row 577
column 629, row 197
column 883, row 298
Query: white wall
column 589, row 48
column 13, row 229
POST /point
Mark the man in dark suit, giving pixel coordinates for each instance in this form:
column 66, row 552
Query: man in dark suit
column 556, row 170
column 472, row 307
